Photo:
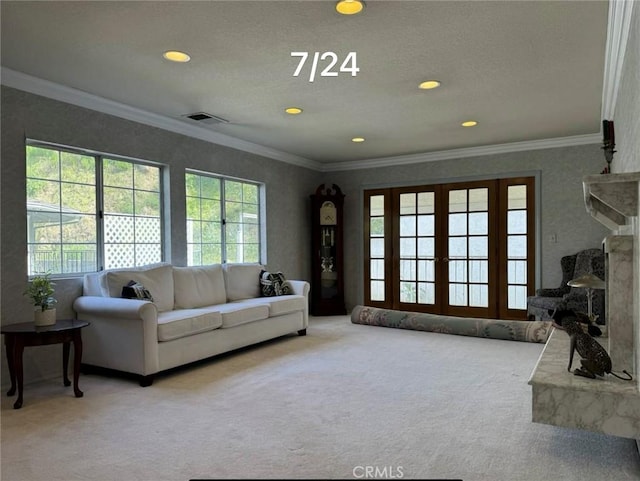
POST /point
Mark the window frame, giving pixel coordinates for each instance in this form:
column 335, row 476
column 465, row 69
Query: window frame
column 98, row 159
column 260, row 224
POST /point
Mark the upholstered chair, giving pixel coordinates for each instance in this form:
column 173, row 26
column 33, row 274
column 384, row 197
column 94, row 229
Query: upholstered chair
column 589, row 261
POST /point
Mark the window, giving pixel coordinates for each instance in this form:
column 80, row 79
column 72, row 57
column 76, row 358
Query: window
column 86, row 212
column 132, row 214
column 223, row 220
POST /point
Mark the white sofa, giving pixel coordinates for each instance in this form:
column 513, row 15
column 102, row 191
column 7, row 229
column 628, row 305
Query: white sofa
column 196, row 313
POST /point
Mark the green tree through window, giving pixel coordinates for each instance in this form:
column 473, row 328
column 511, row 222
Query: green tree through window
column 223, row 220
column 66, row 233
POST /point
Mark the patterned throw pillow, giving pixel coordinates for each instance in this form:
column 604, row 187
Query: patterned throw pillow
column 135, row 290
column 273, row 284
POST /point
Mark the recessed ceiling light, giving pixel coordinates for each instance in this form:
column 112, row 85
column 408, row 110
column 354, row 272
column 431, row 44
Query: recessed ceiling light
column 176, row 56
column 349, row 7
column 293, row 110
column 357, row 139
column 429, row 84
column 469, row 123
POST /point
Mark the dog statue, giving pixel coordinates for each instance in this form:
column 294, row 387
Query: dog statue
column 595, row 359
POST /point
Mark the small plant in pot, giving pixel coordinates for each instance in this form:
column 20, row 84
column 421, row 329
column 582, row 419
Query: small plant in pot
column 40, row 290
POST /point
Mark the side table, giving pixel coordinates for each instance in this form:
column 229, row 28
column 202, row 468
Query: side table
column 19, row 336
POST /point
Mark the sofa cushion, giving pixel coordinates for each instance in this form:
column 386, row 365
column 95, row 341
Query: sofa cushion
column 199, row 286
column 237, row 313
column 279, row 305
column 186, row 322
column 95, row 283
column 158, row 281
column 242, row 281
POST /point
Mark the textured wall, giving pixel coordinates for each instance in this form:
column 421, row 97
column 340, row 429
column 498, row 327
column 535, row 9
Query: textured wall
column 561, row 208
column 25, row 115
column 627, row 159
column 627, row 110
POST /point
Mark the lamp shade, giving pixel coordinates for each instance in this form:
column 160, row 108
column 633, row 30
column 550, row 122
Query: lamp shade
column 588, row 280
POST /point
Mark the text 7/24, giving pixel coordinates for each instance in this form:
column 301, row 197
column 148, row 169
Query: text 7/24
column 349, row 65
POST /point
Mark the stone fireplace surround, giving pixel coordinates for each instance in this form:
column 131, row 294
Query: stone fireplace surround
column 607, row 405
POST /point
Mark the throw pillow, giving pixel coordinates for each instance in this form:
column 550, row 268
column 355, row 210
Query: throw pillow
column 273, row 284
column 135, row 290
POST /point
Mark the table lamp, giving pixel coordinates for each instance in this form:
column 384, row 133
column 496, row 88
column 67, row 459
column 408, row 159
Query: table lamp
column 589, row 282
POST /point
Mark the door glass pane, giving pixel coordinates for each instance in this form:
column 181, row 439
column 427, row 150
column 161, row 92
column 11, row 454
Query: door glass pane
column 408, row 248
column 457, row 224
column 478, row 295
column 458, row 200
column 377, row 268
column 517, row 297
column 376, row 205
column 408, row 292
column 426, row 225
column 407, row 204
column 426, row 248
column 517, row 272
column 377, row 291
column 426, row 203
column 517, row 246
column 478, row 247
column 426, row 271
column 377, row 248
column 408, row 270
column 426, row 293
column 478, row 271
column 458, row 294
column 376, row 226
column 479, row 223
column 458, row 248
column 517, row 197
column 479, row 199
column 517, row 222
column 407, row 225
column 457, row 271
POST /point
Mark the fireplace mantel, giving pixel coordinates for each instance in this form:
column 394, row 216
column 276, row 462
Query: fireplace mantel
column 607, row 404
column 612, row 198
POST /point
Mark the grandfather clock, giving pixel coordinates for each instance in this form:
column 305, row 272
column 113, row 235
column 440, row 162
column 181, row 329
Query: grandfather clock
column 327, row 262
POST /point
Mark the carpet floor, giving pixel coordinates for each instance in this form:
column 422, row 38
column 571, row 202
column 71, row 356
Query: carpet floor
column 341, row 402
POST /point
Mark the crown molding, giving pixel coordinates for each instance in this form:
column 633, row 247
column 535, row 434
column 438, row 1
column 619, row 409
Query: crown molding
column 21, row 81
column 466, row 152
column 38, row 86
column 619, row 25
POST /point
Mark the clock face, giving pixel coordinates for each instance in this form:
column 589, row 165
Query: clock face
column 328, row 213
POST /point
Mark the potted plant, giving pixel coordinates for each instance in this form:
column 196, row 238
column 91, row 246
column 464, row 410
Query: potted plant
column 40, row 290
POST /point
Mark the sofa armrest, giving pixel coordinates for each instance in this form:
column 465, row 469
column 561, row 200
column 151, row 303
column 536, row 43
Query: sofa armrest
column 122, row 335
column 300, row 288
column 115, row 307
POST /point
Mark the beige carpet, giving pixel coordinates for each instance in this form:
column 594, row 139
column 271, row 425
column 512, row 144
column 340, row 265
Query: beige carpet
column 345, row 397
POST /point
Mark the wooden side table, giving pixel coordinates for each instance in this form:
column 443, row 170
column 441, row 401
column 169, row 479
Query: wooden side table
column 19, row 336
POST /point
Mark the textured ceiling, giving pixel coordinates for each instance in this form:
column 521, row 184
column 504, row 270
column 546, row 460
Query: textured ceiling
column 525, row 70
